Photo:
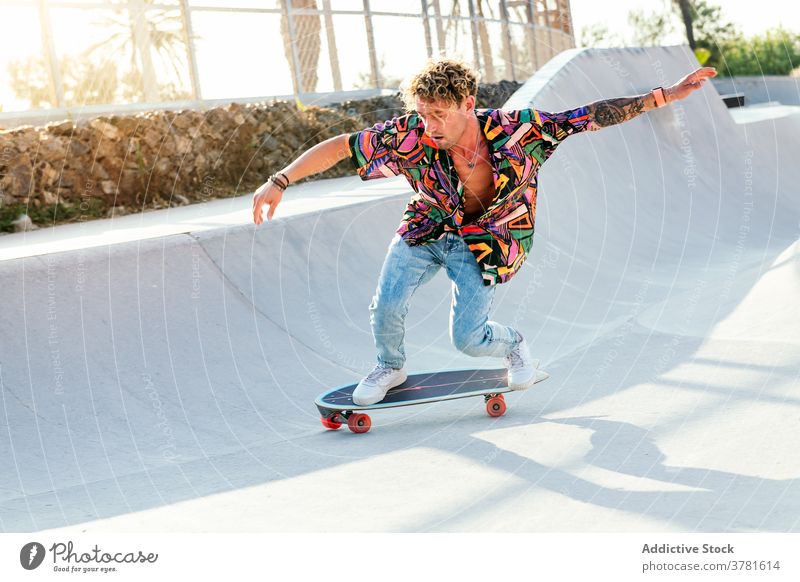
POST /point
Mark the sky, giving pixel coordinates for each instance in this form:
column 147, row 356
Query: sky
column 260, row 35
column 614, row 14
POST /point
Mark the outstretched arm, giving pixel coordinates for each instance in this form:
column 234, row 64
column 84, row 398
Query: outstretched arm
column 612, row 111
column 317, row 159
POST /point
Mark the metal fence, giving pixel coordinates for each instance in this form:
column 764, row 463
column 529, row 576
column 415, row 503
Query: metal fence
column 96, row 53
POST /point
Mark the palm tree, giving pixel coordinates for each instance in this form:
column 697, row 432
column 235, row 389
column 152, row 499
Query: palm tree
column 142, row 33
column 85, row 82
column 685, row 7
column 308, row 40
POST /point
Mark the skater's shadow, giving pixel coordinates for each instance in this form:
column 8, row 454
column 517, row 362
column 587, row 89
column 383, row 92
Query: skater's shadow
column 691, row 499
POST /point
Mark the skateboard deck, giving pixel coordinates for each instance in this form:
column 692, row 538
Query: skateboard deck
column 336, row 407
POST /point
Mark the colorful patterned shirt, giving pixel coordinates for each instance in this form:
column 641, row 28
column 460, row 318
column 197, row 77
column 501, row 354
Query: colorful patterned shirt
column 519, row 142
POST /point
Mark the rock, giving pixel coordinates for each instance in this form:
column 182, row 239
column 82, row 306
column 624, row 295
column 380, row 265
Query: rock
column 108, row 187
column 269, row 142
column 183, row 145
column 192, row 155
column 5, row 199
column 117, row 211
column 25, row 138
column 19, row 175
column 99, row 172
column 185, row 120
column 128, row 125
column 71, row 178
column 60, row 128
column 163, row 166
column 107, row 148
column 23, row 224
column 129, row 183
column 53, row 147
column 49, row 174
column 152, row 138
column 49, row 197
column 78, row 148
column 6, row 147
column 108, row 130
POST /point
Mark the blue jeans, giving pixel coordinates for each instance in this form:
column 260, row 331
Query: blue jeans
column 405, row 269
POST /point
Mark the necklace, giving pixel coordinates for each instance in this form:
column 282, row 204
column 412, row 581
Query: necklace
column 471, row 163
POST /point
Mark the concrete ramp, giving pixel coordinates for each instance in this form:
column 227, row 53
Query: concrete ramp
column 168, row 384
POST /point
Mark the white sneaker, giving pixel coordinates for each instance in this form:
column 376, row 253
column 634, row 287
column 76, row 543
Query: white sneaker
column 374, row 387
column 521, row 367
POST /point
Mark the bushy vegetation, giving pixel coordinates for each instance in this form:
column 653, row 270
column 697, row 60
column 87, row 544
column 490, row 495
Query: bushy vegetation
column 717, row 42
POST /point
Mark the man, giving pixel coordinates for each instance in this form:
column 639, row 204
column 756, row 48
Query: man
column 474, row 173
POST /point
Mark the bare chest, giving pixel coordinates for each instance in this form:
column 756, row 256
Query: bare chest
column 478, row 184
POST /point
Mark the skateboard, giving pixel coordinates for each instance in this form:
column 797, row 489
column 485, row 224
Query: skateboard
column 336, row 407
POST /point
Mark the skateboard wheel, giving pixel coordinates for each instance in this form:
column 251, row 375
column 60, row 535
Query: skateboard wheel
column 331, row 422
column 496, row 405
column 359, row 422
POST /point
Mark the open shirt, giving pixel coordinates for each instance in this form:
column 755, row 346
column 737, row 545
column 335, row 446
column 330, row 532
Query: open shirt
column 519, row 142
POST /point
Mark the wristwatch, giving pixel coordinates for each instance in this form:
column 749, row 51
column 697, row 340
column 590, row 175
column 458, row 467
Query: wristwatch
column 660, row 96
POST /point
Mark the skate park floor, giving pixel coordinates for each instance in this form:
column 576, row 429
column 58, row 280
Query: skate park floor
column 158, row 371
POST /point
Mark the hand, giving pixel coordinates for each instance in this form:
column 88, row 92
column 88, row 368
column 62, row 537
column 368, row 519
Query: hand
column 268, row 194
column 690, row 83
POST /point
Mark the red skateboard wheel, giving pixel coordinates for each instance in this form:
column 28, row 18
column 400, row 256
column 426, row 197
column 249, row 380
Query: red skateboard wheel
column 496, row 405
column 331, row 422
column 359, row 422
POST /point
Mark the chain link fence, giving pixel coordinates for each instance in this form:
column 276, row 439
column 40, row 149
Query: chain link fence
column 106, row 55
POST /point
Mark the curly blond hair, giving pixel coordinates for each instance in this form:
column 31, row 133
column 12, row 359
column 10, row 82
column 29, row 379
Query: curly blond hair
column 448, row 80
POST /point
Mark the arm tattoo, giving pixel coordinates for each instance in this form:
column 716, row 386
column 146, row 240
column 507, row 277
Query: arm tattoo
column 613, row 111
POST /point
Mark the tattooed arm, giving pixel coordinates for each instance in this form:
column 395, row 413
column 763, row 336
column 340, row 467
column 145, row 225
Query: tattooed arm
column 612, row 111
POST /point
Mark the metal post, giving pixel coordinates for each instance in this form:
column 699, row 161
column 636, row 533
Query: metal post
column 297, row 78
column 549, row 28
column 333, row 53
column 474, row 25
column 442, row 38
column 373, row 56
column 191, row 57
column 54, row 72
column 532, row 36
column 507, row 38
column 567, row 11
column 427, row 27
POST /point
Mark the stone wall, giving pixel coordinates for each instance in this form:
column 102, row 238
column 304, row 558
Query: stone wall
column 121, row 164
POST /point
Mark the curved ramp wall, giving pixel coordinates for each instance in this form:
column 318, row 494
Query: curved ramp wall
column 662, row 285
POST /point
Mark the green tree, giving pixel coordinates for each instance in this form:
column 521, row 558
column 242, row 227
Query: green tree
column 598, row 35
column 712, row 31
column 650, row 29
column 776, row 52
column 705, row 28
